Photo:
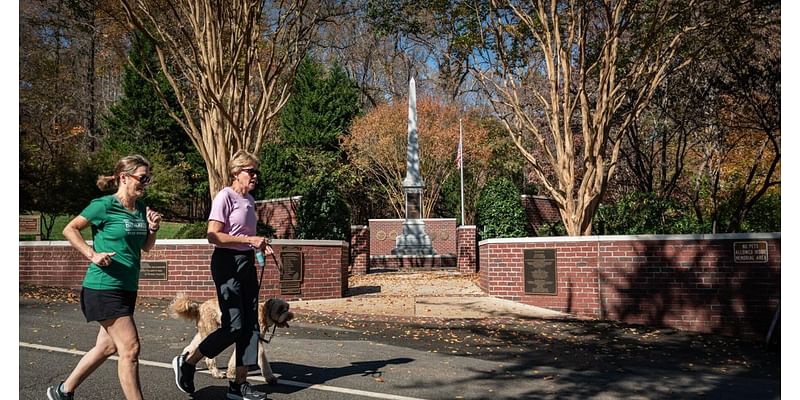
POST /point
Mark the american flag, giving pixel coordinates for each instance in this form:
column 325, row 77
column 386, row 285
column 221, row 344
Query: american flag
column 458, row 154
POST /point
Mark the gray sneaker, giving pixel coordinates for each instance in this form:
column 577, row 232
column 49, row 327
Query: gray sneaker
column 54, row 393
column 244, row 392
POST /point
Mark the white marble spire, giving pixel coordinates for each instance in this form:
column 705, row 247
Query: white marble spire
column 414, row 240
column 413, row 177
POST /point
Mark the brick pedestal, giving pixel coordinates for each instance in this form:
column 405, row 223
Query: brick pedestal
column 359, row 247
column 466, row 243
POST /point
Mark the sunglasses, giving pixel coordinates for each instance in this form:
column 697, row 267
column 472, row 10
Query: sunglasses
column 251, row 171
column 144, row 179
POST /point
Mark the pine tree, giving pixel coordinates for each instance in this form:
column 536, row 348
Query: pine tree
column 321, row 108
column 138, row 119
column 138, row 123
column 311, row 124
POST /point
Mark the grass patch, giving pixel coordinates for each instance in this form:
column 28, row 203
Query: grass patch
column 167, row 230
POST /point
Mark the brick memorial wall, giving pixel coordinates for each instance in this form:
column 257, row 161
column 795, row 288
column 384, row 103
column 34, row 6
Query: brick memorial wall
column 183, row 266
column 280, row 214
column 382, row 234
column 726, row 284
column 540, row 211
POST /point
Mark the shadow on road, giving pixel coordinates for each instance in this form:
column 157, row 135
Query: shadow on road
column 319, row 375
column 305, row 374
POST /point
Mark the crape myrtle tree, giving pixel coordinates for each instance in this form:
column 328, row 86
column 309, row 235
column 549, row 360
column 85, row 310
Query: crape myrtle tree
column 568, row 77
column 710, row 138
column 230, row 64
column 138, row 123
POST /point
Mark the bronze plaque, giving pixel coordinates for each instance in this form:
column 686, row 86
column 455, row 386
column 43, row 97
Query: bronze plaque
column 290, row 287
column 750, row 252
column 153, row 271
column 292, row 265
column 29, row 224
column 414, row 205
column 540, row 271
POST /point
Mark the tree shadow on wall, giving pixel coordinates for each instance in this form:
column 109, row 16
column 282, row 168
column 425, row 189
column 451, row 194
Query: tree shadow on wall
column 676, row 283
column 281, row 229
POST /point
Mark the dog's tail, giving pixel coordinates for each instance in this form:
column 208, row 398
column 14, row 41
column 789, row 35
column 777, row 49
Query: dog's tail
column 182, row 307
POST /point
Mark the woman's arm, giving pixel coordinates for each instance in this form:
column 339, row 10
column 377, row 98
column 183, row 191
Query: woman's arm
column 72, row 232
column 217, row 237
column 153, row 225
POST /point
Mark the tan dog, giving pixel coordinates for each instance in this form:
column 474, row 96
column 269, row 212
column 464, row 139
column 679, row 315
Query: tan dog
column 208, row 318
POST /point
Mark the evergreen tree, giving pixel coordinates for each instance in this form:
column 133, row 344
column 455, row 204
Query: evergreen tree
column 311, row 124
column 323, row 214
column 321, row 109
column 500, row 211
column 139, row 118
column 138, row 123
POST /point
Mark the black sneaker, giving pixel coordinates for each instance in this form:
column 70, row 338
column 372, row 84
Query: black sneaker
column 54, row 393
column 184, row 374
column 244, row 391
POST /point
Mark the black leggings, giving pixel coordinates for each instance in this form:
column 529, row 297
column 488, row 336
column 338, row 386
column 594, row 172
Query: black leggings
column 236, row 282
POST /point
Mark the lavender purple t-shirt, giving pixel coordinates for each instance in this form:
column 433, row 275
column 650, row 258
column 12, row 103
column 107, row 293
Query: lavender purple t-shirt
column 237, row 213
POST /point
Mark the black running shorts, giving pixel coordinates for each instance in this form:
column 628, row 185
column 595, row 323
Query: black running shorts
column 100, row 305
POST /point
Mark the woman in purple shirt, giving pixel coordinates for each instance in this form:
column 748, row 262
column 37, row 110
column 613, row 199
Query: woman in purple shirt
column 232, row 231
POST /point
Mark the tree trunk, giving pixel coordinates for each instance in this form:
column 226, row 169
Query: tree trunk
column 237, row 60
column 566, row 114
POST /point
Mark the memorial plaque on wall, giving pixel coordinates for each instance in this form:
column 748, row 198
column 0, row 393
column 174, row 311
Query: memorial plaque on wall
column 290, row 287
column 30, row 224
column 292, row 263
column 540, row 271
column 413, row 205
column 750, row 252
column 153, row 270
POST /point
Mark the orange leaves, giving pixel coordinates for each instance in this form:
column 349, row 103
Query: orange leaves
column 377, row 145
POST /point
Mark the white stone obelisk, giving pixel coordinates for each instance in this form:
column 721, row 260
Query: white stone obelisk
column 414, row 240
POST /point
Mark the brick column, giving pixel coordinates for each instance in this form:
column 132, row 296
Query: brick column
column 359, row 247
column 467, row 248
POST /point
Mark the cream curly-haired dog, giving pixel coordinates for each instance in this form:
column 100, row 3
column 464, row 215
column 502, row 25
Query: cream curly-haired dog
column 208, row 318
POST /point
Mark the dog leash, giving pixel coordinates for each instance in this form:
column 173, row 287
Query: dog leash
column 260, row 257
column 270, row 335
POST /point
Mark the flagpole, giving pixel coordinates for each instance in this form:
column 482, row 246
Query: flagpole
column 461, row 166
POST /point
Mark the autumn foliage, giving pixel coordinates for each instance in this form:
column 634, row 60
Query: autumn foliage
column 377, row 147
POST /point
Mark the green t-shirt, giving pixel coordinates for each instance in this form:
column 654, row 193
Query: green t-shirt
column 116, row 229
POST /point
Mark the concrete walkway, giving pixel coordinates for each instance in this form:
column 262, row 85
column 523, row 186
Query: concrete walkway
column 422, row 294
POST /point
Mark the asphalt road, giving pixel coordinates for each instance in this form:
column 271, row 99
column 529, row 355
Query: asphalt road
column 346, row 357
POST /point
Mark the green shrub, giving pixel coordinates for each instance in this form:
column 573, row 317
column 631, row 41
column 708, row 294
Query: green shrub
column 500, row 212
column 552, row 229
column 263, row 229
column 644, row 213
column 194, row 230
column 765, row 216
column 323, row 214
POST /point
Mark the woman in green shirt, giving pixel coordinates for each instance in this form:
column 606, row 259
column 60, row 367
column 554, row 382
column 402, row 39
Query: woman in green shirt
column 122, row 226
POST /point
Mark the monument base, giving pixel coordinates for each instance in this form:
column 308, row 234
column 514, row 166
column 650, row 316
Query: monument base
column 414, row 241
column 413, row 246
column 446, row 262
